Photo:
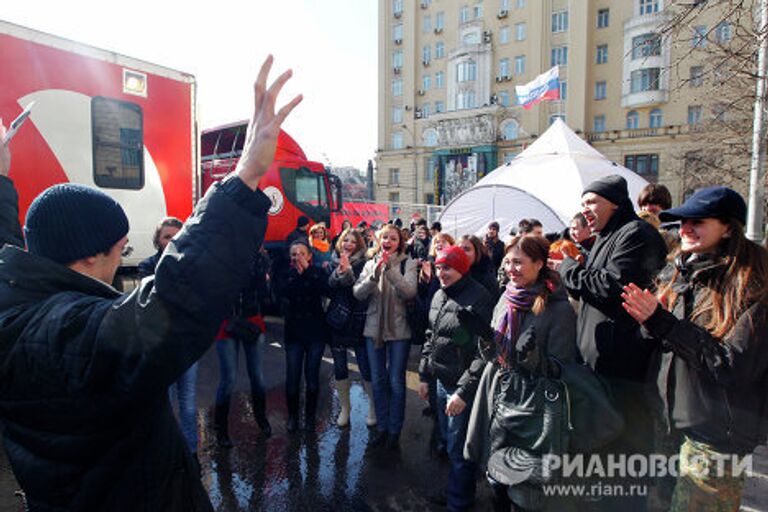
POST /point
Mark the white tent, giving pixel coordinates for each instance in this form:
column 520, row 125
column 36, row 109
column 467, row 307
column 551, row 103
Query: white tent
column 544, row 182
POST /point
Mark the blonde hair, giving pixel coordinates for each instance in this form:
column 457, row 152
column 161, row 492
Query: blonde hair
column 359, row 240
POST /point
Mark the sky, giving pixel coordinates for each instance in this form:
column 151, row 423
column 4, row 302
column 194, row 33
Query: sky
column 331, row 46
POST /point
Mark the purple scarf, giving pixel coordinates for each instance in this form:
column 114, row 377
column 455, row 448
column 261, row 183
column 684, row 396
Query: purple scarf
column 519, row 300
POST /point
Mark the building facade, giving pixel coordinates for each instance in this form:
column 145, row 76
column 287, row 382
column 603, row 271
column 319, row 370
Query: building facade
column 447, row 75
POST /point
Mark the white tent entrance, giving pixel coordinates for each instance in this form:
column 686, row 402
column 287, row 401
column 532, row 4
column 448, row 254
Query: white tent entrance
column 544, row 182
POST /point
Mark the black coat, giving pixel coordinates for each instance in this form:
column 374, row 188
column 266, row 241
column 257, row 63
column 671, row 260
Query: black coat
column 304, row 316
column 450, row 347
column 85, row 370
column 627, row 250
column 484, row 273
column 496, row 250
column 342, row 285
column 9, row 214
column 712, row 389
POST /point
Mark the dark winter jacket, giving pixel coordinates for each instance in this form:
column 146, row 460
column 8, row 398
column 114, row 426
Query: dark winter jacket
column 712, row 389
column 342, row 284
column 496, row 250
column 9, row 214
column 304, row 316
column 85, row 370
column 450, row 347
column 485, row 274
column 147, row 265
column 627, row 250
column 420, row 248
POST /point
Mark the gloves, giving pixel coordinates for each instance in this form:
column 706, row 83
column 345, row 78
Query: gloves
column 526, row 354
column 472, row 322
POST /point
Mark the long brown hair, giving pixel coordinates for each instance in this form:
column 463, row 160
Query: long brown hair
column 742, row 283
column 537, row 248
column 481, row 253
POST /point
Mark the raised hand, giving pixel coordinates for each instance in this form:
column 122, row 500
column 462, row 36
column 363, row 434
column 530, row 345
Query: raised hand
column 264, row 126
column 343, row 263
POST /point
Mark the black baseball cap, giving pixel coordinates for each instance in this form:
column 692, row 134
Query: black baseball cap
column 717, row 202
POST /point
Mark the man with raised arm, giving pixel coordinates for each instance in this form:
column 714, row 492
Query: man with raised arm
column 85, row 370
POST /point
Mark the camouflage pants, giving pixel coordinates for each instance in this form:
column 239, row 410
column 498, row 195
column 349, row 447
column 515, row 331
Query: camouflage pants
column 706, row 483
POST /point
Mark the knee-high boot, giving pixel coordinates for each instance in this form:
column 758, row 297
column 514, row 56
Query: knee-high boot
column 260, row 413
column 310, row 408
column 292, row 401
column 221, row 425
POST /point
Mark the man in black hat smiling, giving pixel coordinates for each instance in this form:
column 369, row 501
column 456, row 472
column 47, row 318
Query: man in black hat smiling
column 85, row 370
column 627, row 249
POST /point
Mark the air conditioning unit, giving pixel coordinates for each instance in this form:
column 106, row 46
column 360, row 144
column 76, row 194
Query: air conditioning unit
column 438, row 30
column 502, row 13
column 397, row 70
column 499, row 78
column 507, row 77
column 424, row 5
column 398, row 14
column 425, row 62
column 398, row 41
column 494, row 99
column 420, row 92
column 407, row 108
column 487, row 36
column 417, row 114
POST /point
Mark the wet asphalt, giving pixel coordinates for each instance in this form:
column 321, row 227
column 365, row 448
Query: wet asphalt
column 331, row 469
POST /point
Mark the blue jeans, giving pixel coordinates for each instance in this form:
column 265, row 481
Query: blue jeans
column 229, row 351
column 388, row 365
column 460, row 491
column 184, row 390
column 306, row 355
column 340, row 369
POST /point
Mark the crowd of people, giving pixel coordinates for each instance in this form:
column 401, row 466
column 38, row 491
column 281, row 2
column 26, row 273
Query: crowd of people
column 507, row 331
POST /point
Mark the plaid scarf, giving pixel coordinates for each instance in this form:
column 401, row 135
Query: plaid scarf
column 518, row 301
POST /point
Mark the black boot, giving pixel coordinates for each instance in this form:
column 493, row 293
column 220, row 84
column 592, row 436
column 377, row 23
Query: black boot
column 292, row 401
column 310, row 408
column 377, row 439
column 221, row 425
column 260, row 413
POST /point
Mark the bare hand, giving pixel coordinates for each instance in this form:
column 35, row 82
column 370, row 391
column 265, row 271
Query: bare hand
column 264, row 126
column 301, row 264
column 426, row 272
column 343, row 263
column 455, row 406
column 640, row 304
column 423, row 390
column 5, row 152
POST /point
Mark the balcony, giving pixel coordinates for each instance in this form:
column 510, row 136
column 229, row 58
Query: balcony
column 615, row 135
column 645, row 98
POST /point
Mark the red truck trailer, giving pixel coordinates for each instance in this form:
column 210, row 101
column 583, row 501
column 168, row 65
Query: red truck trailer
column 102, row 119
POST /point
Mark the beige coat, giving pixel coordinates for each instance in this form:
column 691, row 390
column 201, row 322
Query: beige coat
column 387, row 293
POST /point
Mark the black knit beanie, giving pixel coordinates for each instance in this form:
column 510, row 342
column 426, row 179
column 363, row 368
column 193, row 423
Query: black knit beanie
column 68, row 222
column 613, row 188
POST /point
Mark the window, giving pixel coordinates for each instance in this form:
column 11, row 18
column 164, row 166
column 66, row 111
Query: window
column 397, row 87
column 397, row 115
column 397, row 32
column 465, row 99
column 646, row 45
column 602, row 18
column 394, row 197
column 504, row 5
column 503, row 98
column 426, row 54
column 644, row 165
column 397, row 7
column 520, row 31
column 510, row 130
column 118, row 143
column 600, row 90
column 560, row 56
column 394, row 176
column 723, row 32
column 699, row 39
column 519, row 4
column 426, row 82
column 504, row 35
column 397, row 59
column 440, row 21
column 426, row 110
column 649, row 6
column 464, row 14
column 697, row 76
column 559, row 21
column 426, row 24
column 397, row 140
column 478, row 11
column 430, row 139
column 598, row 124
column 471, row 38
column 644, row 80
column 655, row 118
column 694, row 114
column 504, row 68
column 601, row 57
column 439, row 79
column 718, row 112
column 439, row 50
column 430, row 198
column 633, row 120
column 520, row 65
column 430, row 163
column 466, row 71
column 439, row 107
column 563, row 90
column 555, row 117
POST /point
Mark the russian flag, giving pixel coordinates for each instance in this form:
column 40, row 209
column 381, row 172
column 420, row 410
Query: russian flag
column 546, row 86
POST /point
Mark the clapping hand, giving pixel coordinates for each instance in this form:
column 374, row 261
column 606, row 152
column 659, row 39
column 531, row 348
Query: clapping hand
column 639, row 303
column 343, row 263
column 264, row 126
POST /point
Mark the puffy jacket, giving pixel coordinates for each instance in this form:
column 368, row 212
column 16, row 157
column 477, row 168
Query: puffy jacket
column 627, row 250
column 401, row 287
column 712, row 389
column 304, row 316
column 85, row 370
column 450, row 347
